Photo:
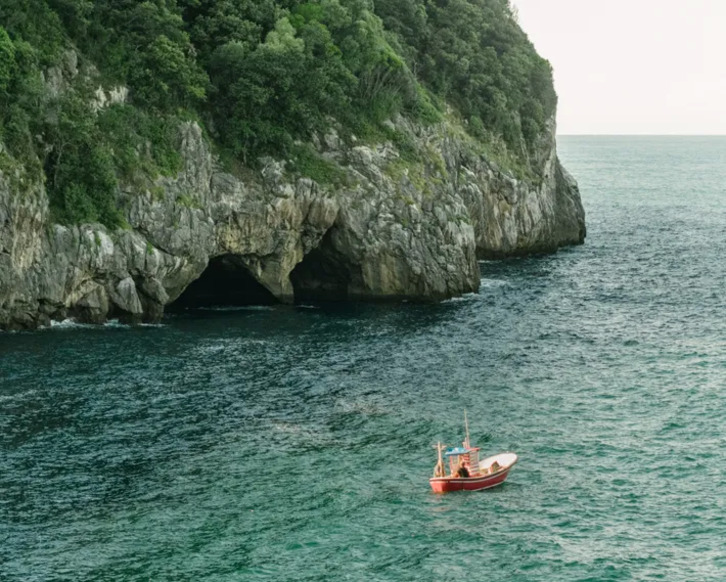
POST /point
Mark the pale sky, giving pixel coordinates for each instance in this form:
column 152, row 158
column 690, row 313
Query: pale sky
column 633, row 66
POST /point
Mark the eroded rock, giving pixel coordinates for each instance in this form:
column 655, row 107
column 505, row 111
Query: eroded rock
column 395, row 230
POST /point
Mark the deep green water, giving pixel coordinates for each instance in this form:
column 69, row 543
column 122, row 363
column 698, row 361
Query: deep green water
column 295, row 443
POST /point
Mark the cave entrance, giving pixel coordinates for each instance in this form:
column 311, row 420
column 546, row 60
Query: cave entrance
column 225, row 282
column 322, row 275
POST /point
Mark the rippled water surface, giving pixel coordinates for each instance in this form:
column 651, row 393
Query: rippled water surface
column 295, row 443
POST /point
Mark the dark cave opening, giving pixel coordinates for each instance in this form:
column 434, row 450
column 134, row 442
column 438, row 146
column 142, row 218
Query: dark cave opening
column 322, row 275
column 225, row 282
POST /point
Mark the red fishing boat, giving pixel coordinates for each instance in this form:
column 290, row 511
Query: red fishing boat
column 466, row 472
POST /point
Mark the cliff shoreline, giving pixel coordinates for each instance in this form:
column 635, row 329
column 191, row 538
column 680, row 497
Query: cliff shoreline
column 394, row 229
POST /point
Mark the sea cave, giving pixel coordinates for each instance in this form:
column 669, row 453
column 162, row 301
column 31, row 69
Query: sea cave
column 323, row 275
column 225, row 282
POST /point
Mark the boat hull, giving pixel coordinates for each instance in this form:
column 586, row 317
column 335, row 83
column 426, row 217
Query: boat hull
column 479, row 481
column 449, row 484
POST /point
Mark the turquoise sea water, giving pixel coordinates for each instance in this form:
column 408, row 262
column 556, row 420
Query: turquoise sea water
column 293, row 444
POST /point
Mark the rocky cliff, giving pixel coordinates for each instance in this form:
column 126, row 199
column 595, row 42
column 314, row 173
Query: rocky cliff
column 393, row 228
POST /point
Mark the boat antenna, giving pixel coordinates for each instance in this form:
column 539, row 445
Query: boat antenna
column 466, row 425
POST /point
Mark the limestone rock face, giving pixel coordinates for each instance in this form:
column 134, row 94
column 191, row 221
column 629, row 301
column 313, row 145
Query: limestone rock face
column 392, row 229
column 519, row 217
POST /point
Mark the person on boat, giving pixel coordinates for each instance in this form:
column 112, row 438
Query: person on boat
column 463, row 470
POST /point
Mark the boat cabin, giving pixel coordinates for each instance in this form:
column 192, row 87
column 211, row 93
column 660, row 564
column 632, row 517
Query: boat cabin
column 466, row 457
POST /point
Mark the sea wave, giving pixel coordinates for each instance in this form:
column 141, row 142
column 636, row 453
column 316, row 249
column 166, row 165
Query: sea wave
column 465, row 297
column 493, row 283
column 236, row 308
column 71, row 323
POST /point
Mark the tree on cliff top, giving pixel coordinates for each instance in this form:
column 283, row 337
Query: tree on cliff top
column 260, row 75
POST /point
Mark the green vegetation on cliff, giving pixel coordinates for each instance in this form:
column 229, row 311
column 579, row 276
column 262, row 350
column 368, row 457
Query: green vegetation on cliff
column 260, row 75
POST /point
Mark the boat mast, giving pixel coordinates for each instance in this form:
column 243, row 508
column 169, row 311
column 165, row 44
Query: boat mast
column 466, row 425
column 440, row 470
